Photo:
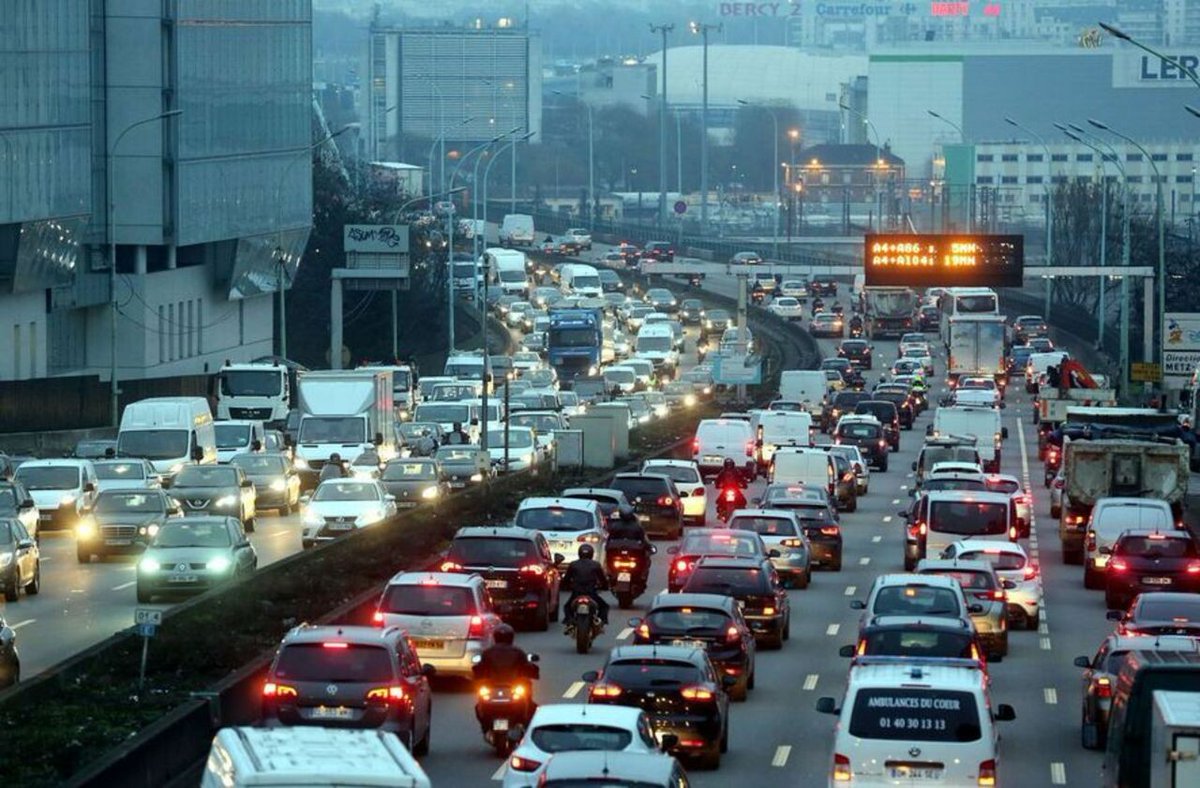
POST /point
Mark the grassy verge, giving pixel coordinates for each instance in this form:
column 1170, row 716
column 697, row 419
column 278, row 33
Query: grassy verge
column 50, row 729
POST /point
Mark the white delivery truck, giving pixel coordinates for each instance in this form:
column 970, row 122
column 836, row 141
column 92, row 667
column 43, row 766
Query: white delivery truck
column 517, row 230
column 809, row 387
column 405, row 394
column 507, row 268
column 581, row 280
column 344, row 412
column 1175, row 740
column 310, row 757
column 977, row 348
column 258, row 391
column 778, row 429
column 170, row 432
column 979, row 422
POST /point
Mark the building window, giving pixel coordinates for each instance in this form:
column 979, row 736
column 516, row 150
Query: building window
column 1183, row 178
column 1058, row 179
column 1083, row 157
column 162, row 333
column 1183, row 157
column 191, row 325
column 1008, row 157
column 1110, row 157
column 1134, row 179
column 1034, row 199
column 1158, row 157
column 1083, row 179
column 1133, row 157
column 1033, row 178
column 32, row 349
column 1031, row 157
column 1058, row 157
column 983, row 179
column 1146, row 197
column 242, row 320
column 171, row 332
column 1158, row 179
column 1185, row 197
column 1008, row 178
column 984, row 157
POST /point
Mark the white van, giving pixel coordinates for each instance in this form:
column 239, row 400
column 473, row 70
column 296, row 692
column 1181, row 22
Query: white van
column 170, row 432
column 656, row 342
column 916, row 720
column 777, row 429
column 810, row 468
column 310, row 757
column 980, row 422
column 956, row 515
column 507, row 268
column 61, row 490
column 809, row 387
column 237, row 436
column 720, row 439
column 517, row 230
column 581, row 280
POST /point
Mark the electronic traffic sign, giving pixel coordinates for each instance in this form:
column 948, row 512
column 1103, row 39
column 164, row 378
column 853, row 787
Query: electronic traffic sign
column 950, row 260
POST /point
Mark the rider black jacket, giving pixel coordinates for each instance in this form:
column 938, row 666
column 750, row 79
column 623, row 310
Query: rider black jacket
column 627, row 531
column 505, row 663
column 729, row 478
column 585, row 576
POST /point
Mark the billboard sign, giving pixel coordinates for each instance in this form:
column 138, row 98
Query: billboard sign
column 375, row 238
column 1181, row 350
column 1136, row 69
column 950, row 260
column 733, row 369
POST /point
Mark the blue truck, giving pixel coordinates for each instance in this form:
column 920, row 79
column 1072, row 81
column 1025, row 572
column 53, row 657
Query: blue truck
column 574, row 341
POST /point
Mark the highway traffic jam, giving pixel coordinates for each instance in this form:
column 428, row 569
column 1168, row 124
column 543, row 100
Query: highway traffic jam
column 880, row 574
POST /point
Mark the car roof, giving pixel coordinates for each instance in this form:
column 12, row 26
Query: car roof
column 1143, row 532
column 693, row 654
column 495, row 531
column 56, row 462
column 909, row 672
column 953, row 564
column 971, row 496
column 665, row 599
column 580, row 504
column 926, row 622
column 557, row 713
column 991, row 545
column 642, row 768
column 316, row 633
column 599, row 492
column 457, row 579
column 1134, row 642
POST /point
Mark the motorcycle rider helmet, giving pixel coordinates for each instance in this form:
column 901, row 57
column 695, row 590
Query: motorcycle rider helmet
column 335, row 457
column 729, row 464
column 586, row 551
column 503, row 635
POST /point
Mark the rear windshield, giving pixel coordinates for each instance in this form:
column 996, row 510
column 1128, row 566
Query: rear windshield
column 1150, row 547
column 634, row 488
column 765, row 526
column 1000, row 561
column 677, row 473
column 719, row 544
column 931, row 457
column 969, row 518
column 1115, row 519
column 554, row 518
column 1150, row 608
column 908, row 714
column 807, row 512
column 971, row 581
column 730, row 582
column 428, row 600
column 688, row 621
column 920, row 643
column 496, row 551
column 970, row 485
column 651, row 672
column 859, row 431
column 916, row 600
column 319, row 662
column 569, row 737
column 1004, row 485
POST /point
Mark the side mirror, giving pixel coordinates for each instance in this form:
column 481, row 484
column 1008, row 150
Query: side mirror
column 165, row 481
column 256, row 445
column 914, row 466
column 27, row 503
column 1005, row 713
column 534, row 658
column 846, row 651
column 1114, row 615
column 1009, row 585
column 591, row 677
column 995, row 657
column 24, row 544
column 558, row 558
column 390, row 498
column 428, row 670
column 827, row 705
column 635, row 622
column 669, row 741
column 858, row 604
column 975, row 608
column 728, row 681
column 474, row 422
column 378, row 439
column 245, row 483
column 773, row 554
column 197, row 454
column 1083, row 662
column 673, row 550
column 1003, row 430
column 903, row 512
column 89, row 487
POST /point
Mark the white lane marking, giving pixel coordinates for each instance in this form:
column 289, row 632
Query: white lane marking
column 499, row 773
column 904, row 487
column 1044, row 643
column 866, row 559
column 24, row 623
column 123, row 586
column 625, row 633
column 810, row 681
column 781, row 756
column 1043, row 627
column 909, row 476
column 574, row 689
column 850, row 590
column 887, row 518
column 832, row 629
column 278, row 534
column 1050, row 695
column 46, row 558
column 876, row 538
column 1058, row 773
column 895, row 500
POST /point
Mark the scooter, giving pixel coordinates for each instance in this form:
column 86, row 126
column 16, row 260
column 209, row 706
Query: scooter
column 583, row 623
column 504, row 709
column 628, row 568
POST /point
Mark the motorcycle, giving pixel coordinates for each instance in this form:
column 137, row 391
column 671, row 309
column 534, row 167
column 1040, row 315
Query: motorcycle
column 504, row 709
column 856, row 331
column 583, row 623
column 628, row 568
column 729, row 499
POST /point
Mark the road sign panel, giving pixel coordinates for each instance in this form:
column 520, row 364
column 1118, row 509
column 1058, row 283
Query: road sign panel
column 1144, row 372
column 737, row 369
column 146, row 615
column 680, row 206
column 146, row 630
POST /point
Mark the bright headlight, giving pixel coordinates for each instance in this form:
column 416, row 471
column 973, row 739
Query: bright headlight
column 689, row 400
column 430, row 492
column 86, row 529
column 67, row 499
column 477, row 477
column 149, row 565
column 312, row 518
column 364, row 473
column 225, row 501
column 301, row 464
column 370, row 518
column 149, row 530
column 279, row 485
column 218, row 564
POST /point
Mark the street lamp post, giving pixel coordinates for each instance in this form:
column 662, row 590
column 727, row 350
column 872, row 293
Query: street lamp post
column 662, row 127
column 967, row 187
column 1049, row 211
column 775, row 167
column 703, row 30
column 879, row 163
column 114, row 310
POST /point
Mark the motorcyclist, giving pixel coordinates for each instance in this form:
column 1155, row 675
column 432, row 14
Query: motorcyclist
column 818, row 305
column 505, row 663
column 334, row 469
column 729, row 476
column 836, row 308
column 627, row 533
column 586, row 577
column 456, row 436
column 856, row 324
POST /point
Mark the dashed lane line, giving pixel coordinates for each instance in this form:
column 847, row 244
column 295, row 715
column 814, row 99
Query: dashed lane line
column 876, row 538
column 866, row 559
column 1058, row 773
column 810, row 681
column 499, row 773
column 781, row 756
column 574, row 689
column 625, row 633
column 24, row 623
column 895, row 501
column 123, row 586
column 1044, row 644
column 832, row 629
column 1050, row 695
column 887, row 518
column 851, row 590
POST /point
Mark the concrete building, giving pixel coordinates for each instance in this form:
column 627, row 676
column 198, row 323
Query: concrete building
column 201, row 202
column 471, row 82
column 611, row 82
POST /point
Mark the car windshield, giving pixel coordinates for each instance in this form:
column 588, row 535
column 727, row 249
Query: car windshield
column 8, row 500
column 206, row 476
column 251, row 383
column 428, row 599
column 971, row 581
column 764, row 526
column 344, row 663
column 652, row 672
column 677, row 473
column 910, row 714
column 917, row 643
column 1154, row 547
column 517, row 439
column 808, row 513
column 619, row 375
column 572, row 737
column 456, row 454
column 232, row 436
column 332, row 429
column 969, row 518
column 346, row 491
column 916, row 600
column 932, row 456
column 654, row 344
column 555, row 518
column 409, row 471
column 443, row 413
column 153, row 444
column 1002, row 561
column 572, row 337
column 728, row 581
column 192, row 533
column 112, row 502
column 48, row 477
column 259, row 464
column 120, row 470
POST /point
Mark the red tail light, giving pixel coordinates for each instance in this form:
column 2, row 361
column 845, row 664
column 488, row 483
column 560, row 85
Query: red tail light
column 749, row 448
column 696, row 693
column 537, row 570
column 733, row 634
column 392, row 694
column 987, row 773
column 1030, row 571
column 644, row 631
column 666, row 500
column 273, row 690
column 730, row 495
column 1091, row 540
column 451, row 566
column 841, row 768
column 695, row 445
column 606, row 691
column 1012, row 534
column 475, row 629
column 997, row 595
column 377, row 618
column 519, row 764
column 1117, row 565
column 698, row 491
column 830, row 530
column 1193, row 568
column 1104, row 687
column 683, row 565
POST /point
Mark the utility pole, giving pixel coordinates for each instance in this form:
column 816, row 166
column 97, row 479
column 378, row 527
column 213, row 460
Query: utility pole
column 662, row 127
column 703, row 29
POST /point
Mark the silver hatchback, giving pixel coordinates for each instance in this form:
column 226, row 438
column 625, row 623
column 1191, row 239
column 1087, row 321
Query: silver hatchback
column 787, row 546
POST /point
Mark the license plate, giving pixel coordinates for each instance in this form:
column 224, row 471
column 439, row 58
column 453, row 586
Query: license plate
column 500, row 725
column 643, row 518
column 496, row 583
column 406, row 504
column 624, row 577
column 426, row 644
column 712, row 459
column 118, row 542
column 44, row 516
column 340, row 526
column 458, row 485
column 685, row 643
column 332, row 713
column 582, row 609
column 182, row 578
column 1157, row 581
column 914, row 772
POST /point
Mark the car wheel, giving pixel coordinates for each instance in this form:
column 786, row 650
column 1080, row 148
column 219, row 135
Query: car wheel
column 83, row 555
column 143, row 595
column 836, row 564
column 1055, row 512
column 249, row 525
column 801, row 581
column 35, row 585
column 1089, row 736
column 540, row 620
column 883, row 465
column 1032, row 622
column 853, row 506
column 12, row 589
column 1091, row 578
column 787, row 628
column 421, row 748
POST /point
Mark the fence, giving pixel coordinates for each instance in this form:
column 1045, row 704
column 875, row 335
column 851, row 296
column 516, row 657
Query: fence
column 83, row 401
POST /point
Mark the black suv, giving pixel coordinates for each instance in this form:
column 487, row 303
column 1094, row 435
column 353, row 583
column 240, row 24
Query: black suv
column 712, row 619
column 350, row 677
column 517, row 568
column 660, row 250
column 122, row 521
column 691, row 311
column 842, row 403
column 857, row 352
column 655, row 500
column 902, row 398
column 681, row 692
column 887, row 414
column 222, row 490
column 823, row 286
column 10, row 660
column 715, row 323
column 755, row 584
column 868, row 436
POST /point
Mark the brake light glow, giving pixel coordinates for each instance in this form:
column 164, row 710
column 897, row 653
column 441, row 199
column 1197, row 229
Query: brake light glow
column 666, row 500
column 606, row 691
column 696, row 693
column 1117, row 565
column 792, row 543
column 1104, row 687
column 749, row 448
column 644, row 631
column 451, row 566
column 732, row 634
column 475, row 628
column 830, row 530
column 1030, row 571
column 1012, row 534
column 681, row 565
column 335, row 645
column 273, row 690
column 537, row 570
column 987, row 772
column 841, row 768
column 730, row 495
column 996, row 595
column 1193, row 568
column 377, row 617
column 695, row 445
column 392, row 694
column 520, row 764
column 768, row 611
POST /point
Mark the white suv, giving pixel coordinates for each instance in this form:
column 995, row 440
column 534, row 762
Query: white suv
column 560, row 727
column 916, row 720
column 567, row 524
